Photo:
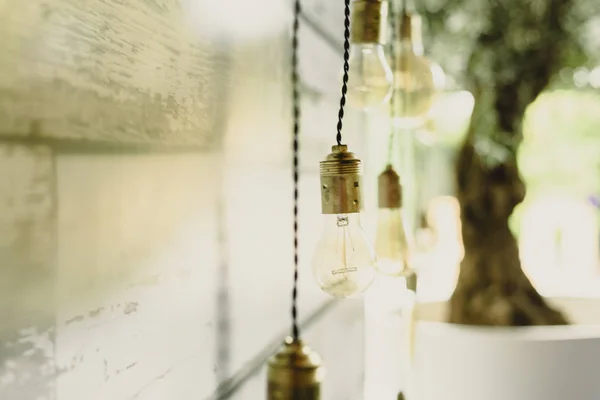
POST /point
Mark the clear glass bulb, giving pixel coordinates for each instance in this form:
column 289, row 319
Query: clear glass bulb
column 370, row 77
column 344, row 261
column 425, row 237
column 416, row 82
column 392, row 243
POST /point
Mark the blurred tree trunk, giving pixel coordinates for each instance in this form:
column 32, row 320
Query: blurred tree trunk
column 513, row 61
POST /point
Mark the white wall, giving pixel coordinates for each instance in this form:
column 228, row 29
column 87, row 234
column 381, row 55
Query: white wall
column 146, row 198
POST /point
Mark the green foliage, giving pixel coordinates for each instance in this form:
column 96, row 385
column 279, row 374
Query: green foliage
column 561, row 146
column 560, row 153
column 452, row 27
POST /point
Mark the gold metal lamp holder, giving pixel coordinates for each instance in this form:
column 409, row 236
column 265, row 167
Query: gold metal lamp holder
column 406, row 26
column 295, row 373
column 369, row 21
column 390, row 189
column 341, row 182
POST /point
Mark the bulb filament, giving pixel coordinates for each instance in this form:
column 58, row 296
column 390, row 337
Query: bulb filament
column 342, row 222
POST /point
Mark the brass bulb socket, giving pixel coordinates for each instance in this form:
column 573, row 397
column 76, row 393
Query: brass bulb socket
column 410, row 29
column 369, row 22
column 341, row 182
column 295, row 372
column 406, row 27
column 411, row 280
column 389, row 188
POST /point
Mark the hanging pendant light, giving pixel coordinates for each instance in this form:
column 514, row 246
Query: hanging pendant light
column 392, row 242
column 344, row 261
column 371, row 83
column 295, row 372
column 417, row 79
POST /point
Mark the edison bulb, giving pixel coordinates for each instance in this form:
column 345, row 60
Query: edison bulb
column 370, row 77
column 417, row 79
column 414, row 88
column 344, row 261
column 392, row 243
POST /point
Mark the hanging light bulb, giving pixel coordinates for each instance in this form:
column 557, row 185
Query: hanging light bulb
column 416, row 79
column 392, row 243
column 344, row 261
column 371, row 77
column 294, row 372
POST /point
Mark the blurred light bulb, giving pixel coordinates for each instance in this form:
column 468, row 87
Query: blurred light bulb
column 416, row 79
column 425, row 237
column 344, row 261
column 414, row 88
column 370, row 77
column 392, row 243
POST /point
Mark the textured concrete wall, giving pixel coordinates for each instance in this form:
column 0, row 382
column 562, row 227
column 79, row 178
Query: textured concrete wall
column 127, row 72
column 146, row 197
column 27, row 272
column 137, row 260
